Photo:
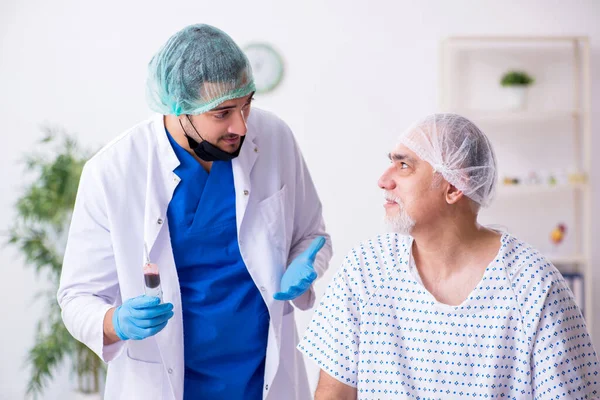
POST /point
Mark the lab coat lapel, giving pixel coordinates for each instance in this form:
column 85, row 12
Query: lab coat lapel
column 160, row 182
column 242, row 167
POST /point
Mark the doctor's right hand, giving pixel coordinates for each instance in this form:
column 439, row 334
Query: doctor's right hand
column 141, row 317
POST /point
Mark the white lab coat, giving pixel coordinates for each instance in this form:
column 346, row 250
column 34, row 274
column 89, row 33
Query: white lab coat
column 122, row 202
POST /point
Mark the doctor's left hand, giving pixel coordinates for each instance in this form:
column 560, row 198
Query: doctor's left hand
column 300, row 274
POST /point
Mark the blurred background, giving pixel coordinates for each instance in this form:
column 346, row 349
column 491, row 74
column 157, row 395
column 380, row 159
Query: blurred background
column 348, row 77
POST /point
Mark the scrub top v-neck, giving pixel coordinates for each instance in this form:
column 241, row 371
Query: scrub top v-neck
column 225, row 319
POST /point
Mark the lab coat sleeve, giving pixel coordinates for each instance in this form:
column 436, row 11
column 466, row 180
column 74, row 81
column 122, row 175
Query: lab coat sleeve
column 89, row 284
column 308, row 224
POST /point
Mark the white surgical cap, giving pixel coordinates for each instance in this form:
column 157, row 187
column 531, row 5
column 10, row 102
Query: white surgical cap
column 458, row 150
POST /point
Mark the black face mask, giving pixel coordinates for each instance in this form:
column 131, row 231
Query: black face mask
column 207, row 151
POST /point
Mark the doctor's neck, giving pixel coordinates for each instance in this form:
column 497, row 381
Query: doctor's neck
column 174, row 127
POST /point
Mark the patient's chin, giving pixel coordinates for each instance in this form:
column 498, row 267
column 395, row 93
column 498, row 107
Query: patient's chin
column 399, row 223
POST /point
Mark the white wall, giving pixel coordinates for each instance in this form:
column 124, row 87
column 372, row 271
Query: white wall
column 356, row 76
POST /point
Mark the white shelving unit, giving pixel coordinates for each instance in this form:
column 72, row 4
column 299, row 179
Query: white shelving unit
column 549, row 137
column 516, row 190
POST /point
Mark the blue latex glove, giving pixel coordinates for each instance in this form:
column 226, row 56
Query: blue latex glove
column 300, row 274
column 141, row 317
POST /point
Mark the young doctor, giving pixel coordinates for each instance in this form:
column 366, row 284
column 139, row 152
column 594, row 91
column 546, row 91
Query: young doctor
column 220, row 199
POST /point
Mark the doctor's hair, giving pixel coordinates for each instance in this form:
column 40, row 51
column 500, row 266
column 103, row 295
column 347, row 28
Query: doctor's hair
column 222, row 57
column 198, row 63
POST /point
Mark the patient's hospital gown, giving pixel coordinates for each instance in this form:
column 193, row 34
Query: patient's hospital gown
column 519, row 335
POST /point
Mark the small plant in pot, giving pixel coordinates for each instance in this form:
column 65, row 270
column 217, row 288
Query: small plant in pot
column 515, row 84
column 43, row 215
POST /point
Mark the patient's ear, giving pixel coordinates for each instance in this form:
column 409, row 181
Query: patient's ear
column 453, row 195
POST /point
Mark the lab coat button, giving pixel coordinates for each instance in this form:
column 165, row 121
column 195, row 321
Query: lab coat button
column 159, row 221
column 170, row 370
column 262, row 288
column 256, row 149
column 246, row 193
column 267, row 387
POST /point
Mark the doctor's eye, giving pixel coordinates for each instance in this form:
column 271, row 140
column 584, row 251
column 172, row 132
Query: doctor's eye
column 221, row 115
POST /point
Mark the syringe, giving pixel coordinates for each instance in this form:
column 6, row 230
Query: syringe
column 151, row 277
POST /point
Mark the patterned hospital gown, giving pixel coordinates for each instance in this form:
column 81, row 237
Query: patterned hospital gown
column 519, row 335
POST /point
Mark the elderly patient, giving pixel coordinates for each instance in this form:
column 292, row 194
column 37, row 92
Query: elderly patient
column 444, row 308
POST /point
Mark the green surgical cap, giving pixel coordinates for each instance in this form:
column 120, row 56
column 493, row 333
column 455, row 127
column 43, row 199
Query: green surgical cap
column 197, row 69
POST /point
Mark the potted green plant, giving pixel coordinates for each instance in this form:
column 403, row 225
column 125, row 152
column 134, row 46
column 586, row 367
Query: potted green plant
column 515, row 84
column 43, row 214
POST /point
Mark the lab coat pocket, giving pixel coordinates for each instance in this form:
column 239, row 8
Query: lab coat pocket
column 144, row 350
column 142, row 379
column 273, row 210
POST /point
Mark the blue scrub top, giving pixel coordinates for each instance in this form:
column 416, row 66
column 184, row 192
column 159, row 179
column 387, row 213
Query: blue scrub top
column 225, row 319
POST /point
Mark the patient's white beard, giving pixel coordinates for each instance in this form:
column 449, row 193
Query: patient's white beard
column 402, row 222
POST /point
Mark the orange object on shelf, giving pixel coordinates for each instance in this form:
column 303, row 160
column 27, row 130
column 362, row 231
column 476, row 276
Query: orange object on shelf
column 558, row 234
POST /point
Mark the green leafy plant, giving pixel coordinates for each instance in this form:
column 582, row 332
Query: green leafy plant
column 43, row 214
column 516, row 78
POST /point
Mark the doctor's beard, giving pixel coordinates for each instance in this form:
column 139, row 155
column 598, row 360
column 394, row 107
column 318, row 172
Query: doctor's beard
column 401, row 222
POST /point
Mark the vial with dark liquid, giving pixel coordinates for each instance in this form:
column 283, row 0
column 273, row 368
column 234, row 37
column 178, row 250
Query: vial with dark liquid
column 152, row 280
